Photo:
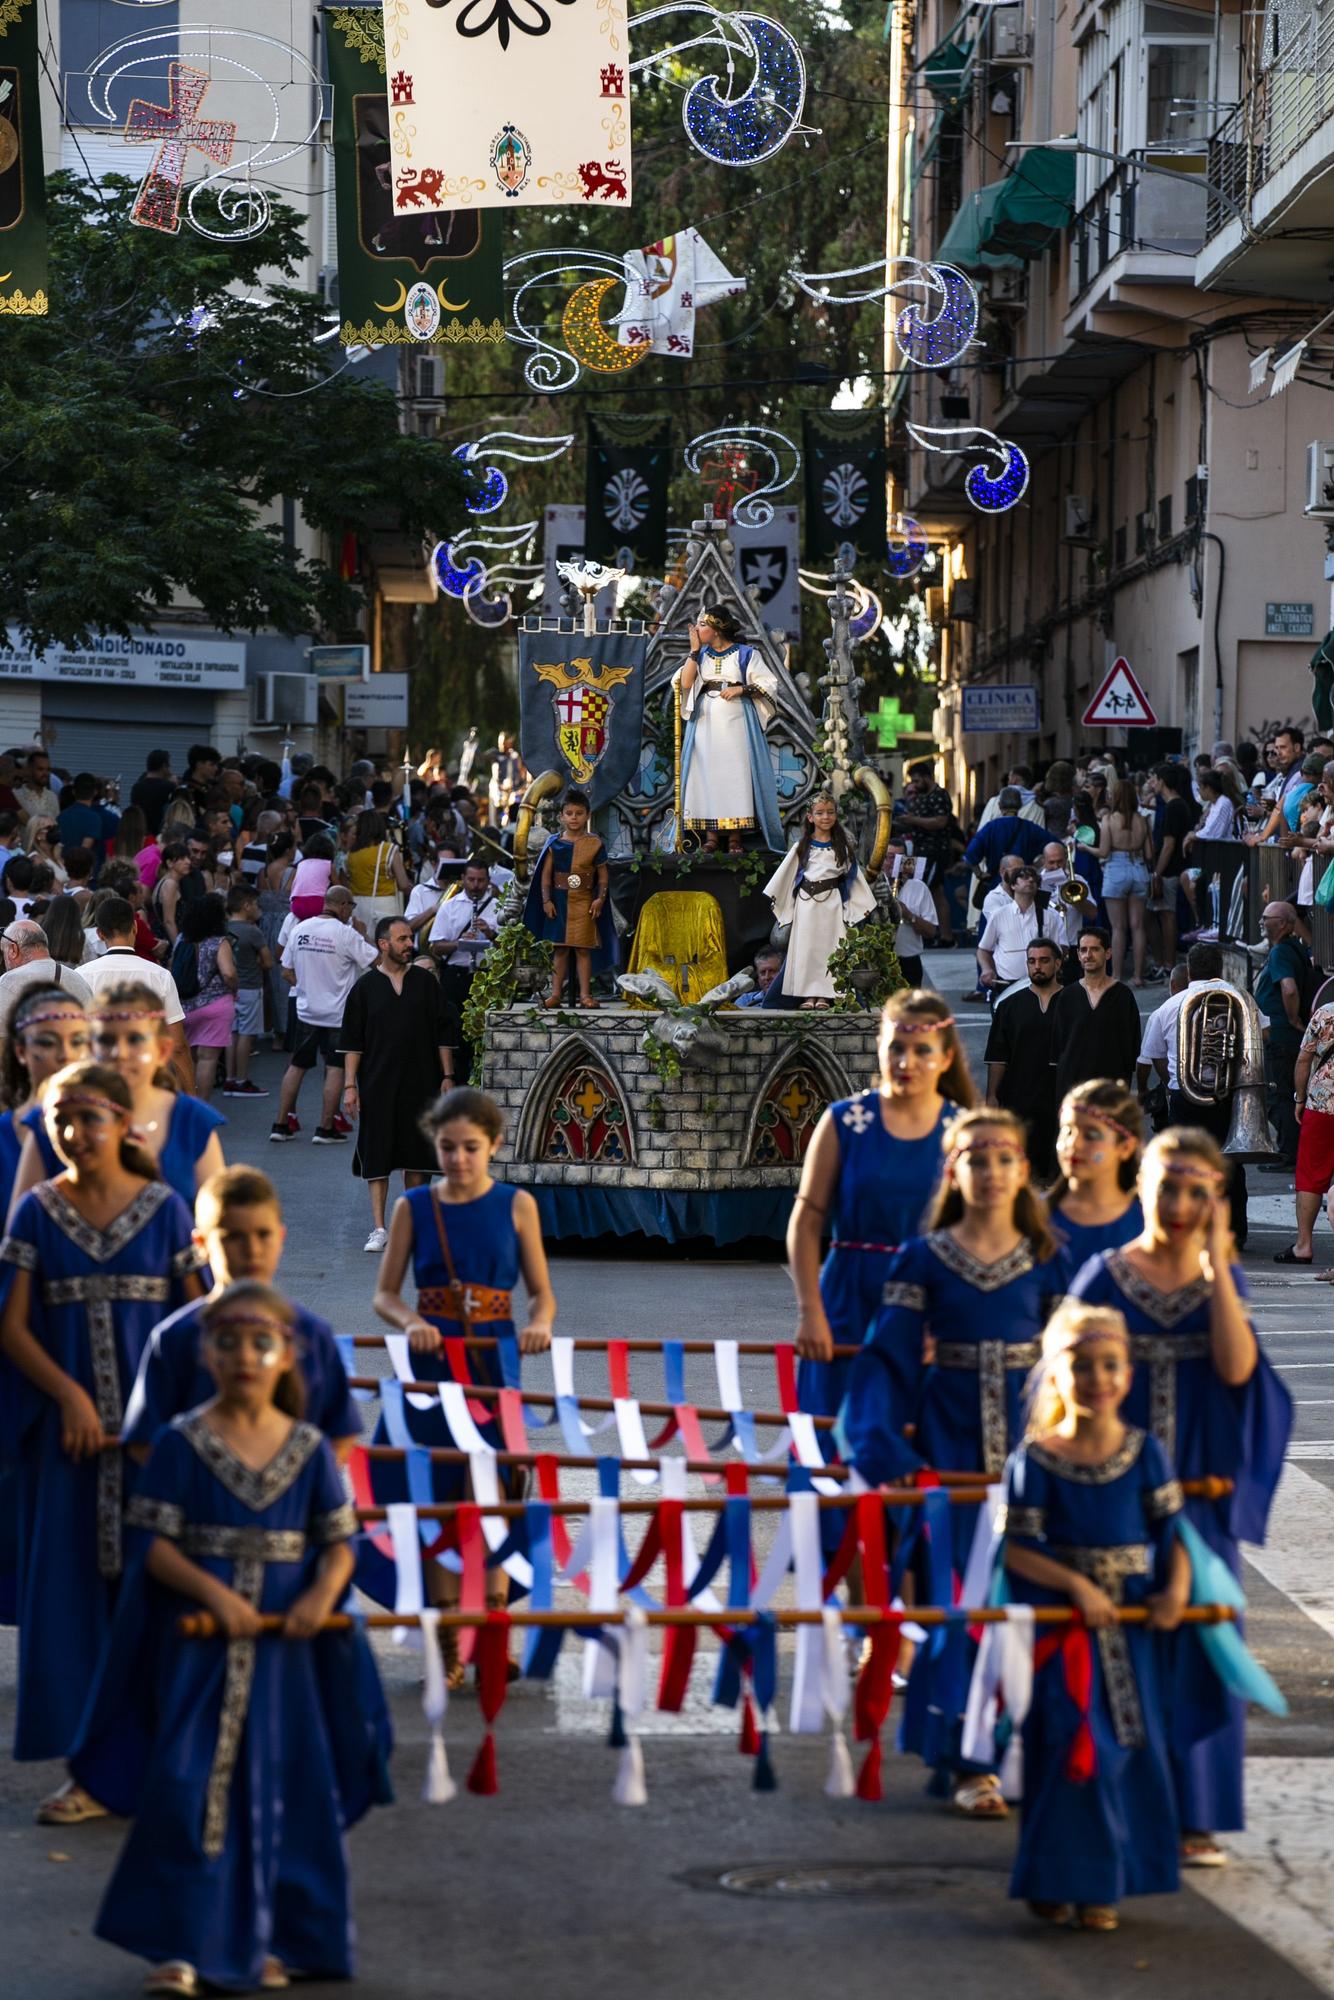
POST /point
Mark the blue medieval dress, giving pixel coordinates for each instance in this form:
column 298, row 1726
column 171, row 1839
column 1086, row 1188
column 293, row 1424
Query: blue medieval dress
column 883, row 1186
column 96, row 1296
column 727, row 774
column 11, row 1393
column 1082, row 1240
column 1204, row 1427
column 1095, row 1839
column 172, row 1377
column 965, row 1411
column 190, row 1126
column 484, row 1249
column 574, row 866
column 244, row 1760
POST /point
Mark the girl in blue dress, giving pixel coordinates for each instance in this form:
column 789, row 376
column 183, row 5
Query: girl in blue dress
column 1092, row 1201
column 467, row 1239
column 1205, row 1391
column 179, row 1133
column 869, row 1174
column 247, row 1755
column 97, row 1255
column 1092, row 1507
column 957, row 1332
column 47, row 1029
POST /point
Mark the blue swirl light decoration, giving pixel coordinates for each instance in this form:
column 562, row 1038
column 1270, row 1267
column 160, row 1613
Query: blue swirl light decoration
column 454, row 580
column 940, row 340
column 492, row 489
column 905, row 550
column 737, row 131
column 990, row 491
column 865, row 622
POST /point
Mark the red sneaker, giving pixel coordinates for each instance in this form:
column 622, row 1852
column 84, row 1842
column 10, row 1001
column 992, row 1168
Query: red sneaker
column 341, row 1126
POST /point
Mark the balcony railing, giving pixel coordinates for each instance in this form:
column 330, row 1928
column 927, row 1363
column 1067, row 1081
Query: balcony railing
column 1135, row 209
column 1287, row 104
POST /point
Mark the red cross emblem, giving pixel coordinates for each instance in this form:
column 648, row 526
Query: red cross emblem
column 179, row 129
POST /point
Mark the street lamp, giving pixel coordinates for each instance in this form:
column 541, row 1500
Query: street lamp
column 1068, row 143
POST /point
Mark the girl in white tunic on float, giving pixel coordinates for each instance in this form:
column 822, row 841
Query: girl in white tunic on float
column 727, row 774
column 821, row 892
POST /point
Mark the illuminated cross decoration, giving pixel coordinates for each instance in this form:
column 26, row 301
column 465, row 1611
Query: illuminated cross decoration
column 179, row 130
column 589, row 1101
column 889, row 722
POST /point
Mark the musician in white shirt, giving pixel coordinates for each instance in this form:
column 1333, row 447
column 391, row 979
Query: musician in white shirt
column 464, row 930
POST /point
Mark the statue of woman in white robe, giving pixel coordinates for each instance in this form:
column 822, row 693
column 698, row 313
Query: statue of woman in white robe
column 727, row 774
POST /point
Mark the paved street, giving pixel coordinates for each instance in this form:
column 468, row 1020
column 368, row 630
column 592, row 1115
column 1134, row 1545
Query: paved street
column 713, row 1887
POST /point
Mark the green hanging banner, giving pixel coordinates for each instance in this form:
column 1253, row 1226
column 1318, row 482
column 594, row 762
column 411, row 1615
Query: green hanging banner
column 442, row 268
column 23, row 250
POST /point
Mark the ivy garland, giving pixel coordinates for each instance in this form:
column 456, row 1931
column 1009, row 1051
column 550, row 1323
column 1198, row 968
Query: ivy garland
column 660, row 1056
column 869, row 948
column 496, row 983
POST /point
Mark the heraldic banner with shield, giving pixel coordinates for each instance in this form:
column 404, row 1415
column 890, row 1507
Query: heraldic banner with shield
column 581, row 707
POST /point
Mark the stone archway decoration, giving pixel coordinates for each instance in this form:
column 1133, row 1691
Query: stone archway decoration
column 789, row 1106
column 576, row 1113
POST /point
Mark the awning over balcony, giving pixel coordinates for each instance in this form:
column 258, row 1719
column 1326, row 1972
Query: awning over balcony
column 1012, row 220
column 945, row 71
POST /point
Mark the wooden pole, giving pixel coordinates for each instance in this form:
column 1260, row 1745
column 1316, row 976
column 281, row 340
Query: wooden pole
column 598, row 1344
column 709, row 1415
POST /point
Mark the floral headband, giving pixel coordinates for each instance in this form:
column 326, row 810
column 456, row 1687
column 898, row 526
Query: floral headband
column 921, row 1027
column 143, row 1013
column 91, row 1100
column 1196, row 1167
column 66, row 1011
column 1104, row 1118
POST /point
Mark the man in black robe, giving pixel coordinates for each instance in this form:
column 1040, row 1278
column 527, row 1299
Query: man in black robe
column 398, row 1040
column 1096, row 1028
column 1020, row 1073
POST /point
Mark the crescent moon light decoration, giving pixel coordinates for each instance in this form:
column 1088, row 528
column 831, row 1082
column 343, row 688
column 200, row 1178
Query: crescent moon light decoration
column 991, row 491
column 906, row 548
column 744, row 129
column 930, row 343
column 865, row 621
column 550, row 367
column 586, row 337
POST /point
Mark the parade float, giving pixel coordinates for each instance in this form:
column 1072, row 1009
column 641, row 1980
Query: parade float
column 669, row 1110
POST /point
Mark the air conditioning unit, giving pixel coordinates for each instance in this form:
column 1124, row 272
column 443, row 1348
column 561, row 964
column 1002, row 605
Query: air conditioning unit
column 1320, row 478
column 289, row 699
column 1078, row 519
column 1008, row 287
column 1010, row 43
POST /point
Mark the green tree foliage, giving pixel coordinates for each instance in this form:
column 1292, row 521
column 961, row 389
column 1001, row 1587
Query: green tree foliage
column 151, row 427
column 761, row 358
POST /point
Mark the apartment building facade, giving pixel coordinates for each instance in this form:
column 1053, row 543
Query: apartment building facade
column 1131, row 277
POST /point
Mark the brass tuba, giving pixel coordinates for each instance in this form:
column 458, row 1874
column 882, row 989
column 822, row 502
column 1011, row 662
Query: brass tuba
column 1073, row 893
column 1220, row 1059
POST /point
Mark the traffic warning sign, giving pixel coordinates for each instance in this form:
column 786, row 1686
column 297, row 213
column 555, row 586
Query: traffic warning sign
column 1120, row 702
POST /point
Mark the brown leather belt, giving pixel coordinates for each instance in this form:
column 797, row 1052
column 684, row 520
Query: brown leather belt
column 561, row 880
column 482, row 1302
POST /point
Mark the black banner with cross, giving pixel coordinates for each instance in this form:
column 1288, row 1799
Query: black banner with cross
column 844, row 452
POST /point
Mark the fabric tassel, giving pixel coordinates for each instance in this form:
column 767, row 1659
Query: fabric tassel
column 616, row 1737
column 629, row 1788
column 868, row 1778
column 840, row 1784
column 439, row 1788
column 482, row 1778
column 764, row 1779
column 749, row 1742
column 1081, row 1763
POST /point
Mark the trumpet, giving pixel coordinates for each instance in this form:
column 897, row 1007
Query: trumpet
column 1073, row 893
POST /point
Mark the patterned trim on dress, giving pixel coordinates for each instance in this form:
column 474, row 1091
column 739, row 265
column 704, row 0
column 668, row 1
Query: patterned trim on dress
column 101, row 1244
column 1028, row 1521
column 131, row 1287
column 254, row 1489
column 966, row 1353
column 912, row 1298
column 262, row 1545
column 185, row 1261
column 110, row 1404
column 1109, row 1569
column 1161, row 1354
column 1163, row 1501
column 1163, row 1308
column 1014, row 1264
column 1111, row 1468
column 340, row 1524
column 13, row 1250
column 247, row 1582
column 160, row 1517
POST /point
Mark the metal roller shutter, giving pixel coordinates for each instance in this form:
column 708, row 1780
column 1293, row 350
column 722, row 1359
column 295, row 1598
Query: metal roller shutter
column 117, row 749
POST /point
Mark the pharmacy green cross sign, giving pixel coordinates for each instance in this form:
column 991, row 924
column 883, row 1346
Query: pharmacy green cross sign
column 890, row 722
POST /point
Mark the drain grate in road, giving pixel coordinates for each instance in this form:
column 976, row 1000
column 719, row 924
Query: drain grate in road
column 795, row 1880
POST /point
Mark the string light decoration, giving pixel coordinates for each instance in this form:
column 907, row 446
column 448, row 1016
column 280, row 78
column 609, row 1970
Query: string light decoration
column 906, row 548
column 991, row 492
column 455, row 579
column 753, row 510
column 522, row 446
column 867, row 619
column 492, row 489
column 220, row 55
column 933, row 342
column 737, row 130
column 586, row 337
column 548, row 367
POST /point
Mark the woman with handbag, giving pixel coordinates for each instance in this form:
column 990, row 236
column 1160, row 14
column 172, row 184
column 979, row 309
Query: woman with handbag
column 375, row 872
column 468, row 1239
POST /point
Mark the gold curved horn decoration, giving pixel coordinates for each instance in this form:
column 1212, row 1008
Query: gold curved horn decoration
column 872, row 782
column 544, row 786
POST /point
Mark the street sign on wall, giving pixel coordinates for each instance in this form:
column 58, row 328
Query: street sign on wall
column 1289, row 621
column 998, row 710
column 1120, row 702
column 379, row 703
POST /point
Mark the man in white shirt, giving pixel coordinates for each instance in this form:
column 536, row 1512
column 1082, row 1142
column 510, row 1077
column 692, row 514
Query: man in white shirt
column 1003, row 947
column 323, row 958
column 28, row 962
column 464, row 930
column 118, row 960
column 33, row 791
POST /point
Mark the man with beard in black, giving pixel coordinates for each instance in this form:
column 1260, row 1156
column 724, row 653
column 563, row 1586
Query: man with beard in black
column 1021, row 1074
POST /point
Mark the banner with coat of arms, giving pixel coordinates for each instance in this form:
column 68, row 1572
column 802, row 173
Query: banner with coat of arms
column 844, row 459
column 448, row 264
column 581, row 706
column 23, row 247
column 500, row 103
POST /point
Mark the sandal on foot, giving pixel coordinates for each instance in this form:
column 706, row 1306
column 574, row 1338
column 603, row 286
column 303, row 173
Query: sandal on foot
column 980, row 1797
column 711, row 843
column 70, row 1806
column 273, row 1978
column 1099, row 1917
column 176, row 1976
column 734, row 846
column 455, row 1671
column 1201, row 1850
column 1289, row 1256
column 1052, row 1913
